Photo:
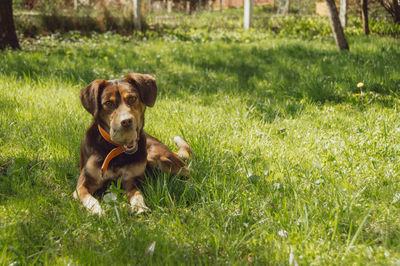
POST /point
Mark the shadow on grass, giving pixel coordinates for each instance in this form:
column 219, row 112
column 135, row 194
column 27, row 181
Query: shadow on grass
column 23, row 176
column 291, row 70
column 273, row 80
column 163, row 190
column 42, row 235
column 277, row 81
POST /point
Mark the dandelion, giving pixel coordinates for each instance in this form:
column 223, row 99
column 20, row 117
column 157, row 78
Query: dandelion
column 360, row 84
column 250, row 258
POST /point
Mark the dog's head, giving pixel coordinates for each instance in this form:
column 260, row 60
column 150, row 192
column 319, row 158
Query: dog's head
column 119, row 106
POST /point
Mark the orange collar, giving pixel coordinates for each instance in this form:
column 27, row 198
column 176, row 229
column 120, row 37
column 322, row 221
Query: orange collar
column 113, row 153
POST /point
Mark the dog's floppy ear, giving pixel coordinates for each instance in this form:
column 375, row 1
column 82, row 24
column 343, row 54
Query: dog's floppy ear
column 146, row 85
column 90, row 96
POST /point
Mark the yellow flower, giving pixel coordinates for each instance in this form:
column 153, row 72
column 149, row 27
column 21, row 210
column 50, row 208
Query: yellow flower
column 360, row 84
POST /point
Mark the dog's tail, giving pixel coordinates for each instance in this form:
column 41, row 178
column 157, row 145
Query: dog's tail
column 184, row 150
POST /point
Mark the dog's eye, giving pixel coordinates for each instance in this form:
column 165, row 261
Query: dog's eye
column 109, row 104
column 131, row 100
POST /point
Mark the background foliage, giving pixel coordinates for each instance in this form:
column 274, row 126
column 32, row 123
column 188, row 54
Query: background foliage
column 49, row 17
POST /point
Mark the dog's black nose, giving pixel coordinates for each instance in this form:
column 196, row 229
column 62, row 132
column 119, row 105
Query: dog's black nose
column 126, row 122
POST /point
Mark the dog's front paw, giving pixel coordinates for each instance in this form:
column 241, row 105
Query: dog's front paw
column 138, row 206
column 93, row 206
column 140, row 210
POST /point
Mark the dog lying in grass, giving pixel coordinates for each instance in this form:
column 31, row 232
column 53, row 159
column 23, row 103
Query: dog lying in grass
column 115, row 144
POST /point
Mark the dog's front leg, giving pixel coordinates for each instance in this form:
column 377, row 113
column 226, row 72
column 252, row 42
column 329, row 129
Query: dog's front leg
column 84, row 192
column 134, row 196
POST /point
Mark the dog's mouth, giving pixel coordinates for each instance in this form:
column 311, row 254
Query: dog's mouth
column 132, row 146
column 128, row 141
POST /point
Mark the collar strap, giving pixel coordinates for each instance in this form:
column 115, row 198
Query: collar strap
column 106, row 136
column 113, row 153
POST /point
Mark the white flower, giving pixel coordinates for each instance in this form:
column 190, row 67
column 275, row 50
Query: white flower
column 283, row 233
column 396, row 198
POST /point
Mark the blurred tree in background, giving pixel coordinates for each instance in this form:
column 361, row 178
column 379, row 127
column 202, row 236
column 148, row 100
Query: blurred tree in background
column 364, row 12
column 393, row 8
column 337, row 29
column 8, row 37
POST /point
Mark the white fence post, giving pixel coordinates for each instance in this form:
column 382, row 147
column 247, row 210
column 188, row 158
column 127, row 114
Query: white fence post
column 248, row 13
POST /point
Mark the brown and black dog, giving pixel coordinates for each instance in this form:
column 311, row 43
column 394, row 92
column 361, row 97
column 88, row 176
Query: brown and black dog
column 116, row 136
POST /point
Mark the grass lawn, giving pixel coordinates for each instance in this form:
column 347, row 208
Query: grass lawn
column 291, row 159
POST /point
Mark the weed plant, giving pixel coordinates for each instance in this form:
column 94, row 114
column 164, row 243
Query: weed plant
column 292, row 160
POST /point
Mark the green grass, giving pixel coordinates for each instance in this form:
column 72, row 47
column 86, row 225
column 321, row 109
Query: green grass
column 283, row 141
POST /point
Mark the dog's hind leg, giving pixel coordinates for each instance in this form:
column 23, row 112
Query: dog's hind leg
column 184, row 150
column 161, row 157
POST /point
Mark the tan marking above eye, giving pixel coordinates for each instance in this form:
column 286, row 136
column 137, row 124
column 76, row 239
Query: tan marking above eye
column 131, row 99
column 109, row 104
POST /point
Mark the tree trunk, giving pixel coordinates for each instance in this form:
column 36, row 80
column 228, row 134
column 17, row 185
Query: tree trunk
column 8, row 36
column 396, row 8
column 283, row 7
column 364, row 12
column 137, row 18
column 286, row 8
column 393, row 8
column 337, row 29
column 248, row 13
column 343, row 12
column 169, row 6
column 188, row 7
